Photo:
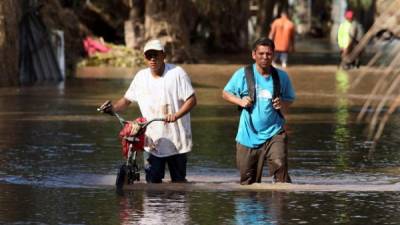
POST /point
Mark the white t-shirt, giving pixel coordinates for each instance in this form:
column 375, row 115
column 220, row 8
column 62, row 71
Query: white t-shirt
column 158, row 97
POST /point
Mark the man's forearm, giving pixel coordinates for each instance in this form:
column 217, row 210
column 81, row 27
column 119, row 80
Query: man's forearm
column 186, row 107
column 285, row 107
column 121, row 104
column 231, row 98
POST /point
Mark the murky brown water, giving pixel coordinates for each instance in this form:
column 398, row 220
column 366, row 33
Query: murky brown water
column 56, row 152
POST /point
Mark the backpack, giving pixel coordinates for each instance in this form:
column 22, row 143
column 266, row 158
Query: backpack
column 249, row 73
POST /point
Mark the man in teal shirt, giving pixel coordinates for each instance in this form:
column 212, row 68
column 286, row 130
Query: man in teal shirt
column 261, row 133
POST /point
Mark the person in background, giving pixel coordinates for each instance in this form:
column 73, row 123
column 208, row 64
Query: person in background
column 349, row 34
column 261, row 133
column 162, row 91
column 283, row 34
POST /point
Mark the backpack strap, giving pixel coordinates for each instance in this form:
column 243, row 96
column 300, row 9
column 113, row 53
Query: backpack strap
column 276, row 87
column 277, row 84
column 251, row 87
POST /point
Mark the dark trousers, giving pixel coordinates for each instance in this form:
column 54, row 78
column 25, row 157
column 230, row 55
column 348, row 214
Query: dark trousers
column 155, row 170
column 250, row 161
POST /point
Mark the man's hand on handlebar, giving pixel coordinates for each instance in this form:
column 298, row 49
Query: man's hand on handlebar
column 170, row 118
column 107, row 107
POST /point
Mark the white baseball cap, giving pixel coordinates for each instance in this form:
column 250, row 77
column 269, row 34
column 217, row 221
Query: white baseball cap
column 153, row 45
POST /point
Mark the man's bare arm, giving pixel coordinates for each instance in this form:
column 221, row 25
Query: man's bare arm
column 282, row 105
column 242, row 102
column 121, row 104
column 285, row 107
column 272, row 32
column 185, row 108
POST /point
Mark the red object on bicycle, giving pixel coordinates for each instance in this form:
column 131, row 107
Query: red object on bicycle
column 129, row 131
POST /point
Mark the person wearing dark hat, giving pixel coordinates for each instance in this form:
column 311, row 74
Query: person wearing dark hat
column 162, row 90
column 349, row 34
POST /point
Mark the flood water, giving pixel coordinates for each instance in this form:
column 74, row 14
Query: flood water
column 59, row 156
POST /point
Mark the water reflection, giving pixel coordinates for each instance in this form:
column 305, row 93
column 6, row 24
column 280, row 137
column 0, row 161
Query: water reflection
column 154, row 208
column 59, row 159
column 342, row 134
column 260, row 208
column 258, row 211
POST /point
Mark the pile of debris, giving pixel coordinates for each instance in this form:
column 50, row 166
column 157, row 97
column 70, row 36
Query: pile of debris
column 57, row 17
column 101, row 53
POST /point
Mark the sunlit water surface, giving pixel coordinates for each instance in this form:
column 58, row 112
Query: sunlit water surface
column 59, row 158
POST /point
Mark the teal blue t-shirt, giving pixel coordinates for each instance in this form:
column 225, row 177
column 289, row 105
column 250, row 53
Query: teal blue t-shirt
column 261, row 122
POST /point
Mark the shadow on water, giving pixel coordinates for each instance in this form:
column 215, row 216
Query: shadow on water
column 59, row 158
